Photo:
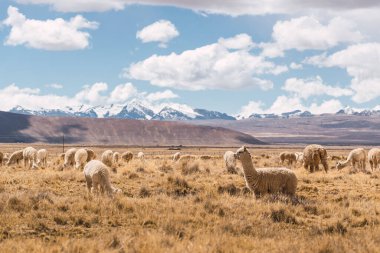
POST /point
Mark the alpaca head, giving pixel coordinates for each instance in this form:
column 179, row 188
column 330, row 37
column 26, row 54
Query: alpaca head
column 339, row 165
column 242, row 153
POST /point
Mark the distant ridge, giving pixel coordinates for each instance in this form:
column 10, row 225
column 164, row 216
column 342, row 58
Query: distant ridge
column 26, row 128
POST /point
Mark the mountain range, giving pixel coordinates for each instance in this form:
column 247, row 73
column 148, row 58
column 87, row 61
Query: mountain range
column 138, row 110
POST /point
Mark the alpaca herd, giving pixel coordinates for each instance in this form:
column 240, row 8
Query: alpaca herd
column 260, row 181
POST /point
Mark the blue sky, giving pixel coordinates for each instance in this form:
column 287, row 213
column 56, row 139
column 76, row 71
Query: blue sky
column 238, row 57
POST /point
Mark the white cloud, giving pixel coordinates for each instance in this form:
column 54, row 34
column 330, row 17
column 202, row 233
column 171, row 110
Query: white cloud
column 362, row 62
column 122, row 93
column 240, row 41
column 161, row 95
column 294, row 65
column 56, row 34
column 97, row 94
column 161, row 31
column 284, row 104
column 305, row 88
column 214, row 66
column 234, row 8
column 55, row 86
column 305, row 33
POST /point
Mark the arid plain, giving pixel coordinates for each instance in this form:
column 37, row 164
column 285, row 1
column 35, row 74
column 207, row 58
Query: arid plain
column 194, row 207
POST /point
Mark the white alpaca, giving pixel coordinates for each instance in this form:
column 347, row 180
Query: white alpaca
column 356, row 156
column 266, row 180
column 42, row 158
column 15, row 157
column 116, row 158
column 299, row 157
column 141, row 156
column 69, row 157
column 186, row 158
column 107, row 158
column 127, row 156
column 96, row 174
column 374, row 158
column 80, row 158
column 230, row 161
column 176, row 156
column 30, row 158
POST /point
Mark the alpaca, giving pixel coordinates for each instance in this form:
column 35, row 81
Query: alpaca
column 186, row 158
column 30, row 157
column 69, row 157
column 96, row 174
column 374, row 158
column 356, row 156
column 42, row 158
column 230, row 161
column 15, row 157
column 266, row 180
column 141, row 156
column 107, row 158
column 289, row 156
column 126, row 156
column 1, row 158
column 116, row 157
column 299, row 157
column 90, row 154
column 313, row 155
column 80, row 158
column 176, row 156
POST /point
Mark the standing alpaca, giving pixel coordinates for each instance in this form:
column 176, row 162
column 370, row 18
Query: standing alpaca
column 374, row 158
column 126, row 156
column 97, row 174
column 356, row 156
column 116, row 158
column 69, row 157
column 266, row 180
column 289, row 156
column 230, row 161
column 15, row 157
column 107, row 158
column 313, row 155
column 80, row 158
column 42, row 158
column 30, row 157
column 176, row 156
column 141, row 156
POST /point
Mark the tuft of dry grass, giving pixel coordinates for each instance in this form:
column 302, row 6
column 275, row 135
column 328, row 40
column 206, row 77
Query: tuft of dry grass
column 194, row 207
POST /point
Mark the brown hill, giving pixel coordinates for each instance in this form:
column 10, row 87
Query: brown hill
column 325, row 129
column 25, row 128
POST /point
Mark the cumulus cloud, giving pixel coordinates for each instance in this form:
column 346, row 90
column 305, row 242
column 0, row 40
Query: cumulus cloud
column 161, row 95
column 362, row 63
column 233, row 8
column 97, row 94
column 57, row 34
column 294, row 65
column 284, row 104
column 305, row 88
column 161, row 31
column 305, row 33
column 227, row 64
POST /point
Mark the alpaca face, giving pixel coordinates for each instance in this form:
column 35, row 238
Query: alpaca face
column 339, row 166
column 242, row 152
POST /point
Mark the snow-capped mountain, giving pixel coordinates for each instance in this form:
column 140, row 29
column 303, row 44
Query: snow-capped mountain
column 359, row 112
column 133, row 110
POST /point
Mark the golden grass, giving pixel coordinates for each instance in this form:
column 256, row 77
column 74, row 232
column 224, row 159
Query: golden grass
column 195, row 207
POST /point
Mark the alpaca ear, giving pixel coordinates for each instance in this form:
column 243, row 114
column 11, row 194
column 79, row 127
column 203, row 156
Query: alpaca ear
column 244, row 148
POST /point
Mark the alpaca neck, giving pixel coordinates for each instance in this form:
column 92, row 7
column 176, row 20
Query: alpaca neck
column 250, row 172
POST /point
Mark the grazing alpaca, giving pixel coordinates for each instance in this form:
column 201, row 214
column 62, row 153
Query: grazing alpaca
column 42, row 158
column 266, row 180
column 374, row 158
column 126, row 156
column 107, row 158
column 15, row 157
column 289, row 156
column 313, row 155
column 96, row 174
column 230, row 161
column 356, row 156
column 176, row 156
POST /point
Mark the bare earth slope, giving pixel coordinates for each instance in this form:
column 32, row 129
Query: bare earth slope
column 325, row 129
column 24, row 128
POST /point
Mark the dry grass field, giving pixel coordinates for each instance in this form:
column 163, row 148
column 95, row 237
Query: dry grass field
column 195, row 207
